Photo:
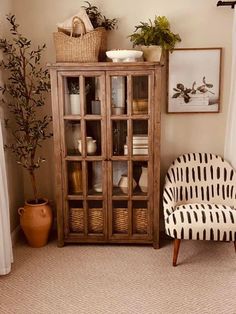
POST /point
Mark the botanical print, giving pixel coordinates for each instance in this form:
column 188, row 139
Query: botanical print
column 194, row 80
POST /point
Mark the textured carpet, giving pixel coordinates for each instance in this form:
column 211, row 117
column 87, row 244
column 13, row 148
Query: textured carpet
column 121, row 279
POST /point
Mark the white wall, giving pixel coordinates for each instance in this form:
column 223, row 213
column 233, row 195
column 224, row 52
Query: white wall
column 15, row 178
column 200, row 24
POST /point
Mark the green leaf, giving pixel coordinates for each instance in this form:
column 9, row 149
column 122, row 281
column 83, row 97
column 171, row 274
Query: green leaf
column 176, row 95
column 180, row 86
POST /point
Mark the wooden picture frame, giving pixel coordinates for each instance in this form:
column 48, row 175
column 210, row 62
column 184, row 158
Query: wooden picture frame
column 194, row 80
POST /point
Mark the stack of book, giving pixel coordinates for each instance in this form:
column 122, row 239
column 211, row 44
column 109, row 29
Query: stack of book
column 140, row 145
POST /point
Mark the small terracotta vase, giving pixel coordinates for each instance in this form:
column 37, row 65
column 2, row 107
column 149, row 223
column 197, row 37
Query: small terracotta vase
column 36, row 222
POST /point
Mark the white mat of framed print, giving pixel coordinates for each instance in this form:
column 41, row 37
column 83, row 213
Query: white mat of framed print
column 194, row 80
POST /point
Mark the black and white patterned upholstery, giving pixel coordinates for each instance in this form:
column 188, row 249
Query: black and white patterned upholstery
column 200, row 198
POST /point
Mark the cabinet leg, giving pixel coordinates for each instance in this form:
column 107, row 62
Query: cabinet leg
column 60, row 243
column 156, row 245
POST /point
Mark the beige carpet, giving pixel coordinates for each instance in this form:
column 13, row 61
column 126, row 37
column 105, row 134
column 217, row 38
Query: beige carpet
column 121, row 279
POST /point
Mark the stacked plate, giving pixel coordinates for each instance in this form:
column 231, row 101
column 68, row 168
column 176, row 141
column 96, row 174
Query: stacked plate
column 140, row 145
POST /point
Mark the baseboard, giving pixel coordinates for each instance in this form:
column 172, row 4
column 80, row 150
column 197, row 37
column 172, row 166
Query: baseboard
column 15, row 235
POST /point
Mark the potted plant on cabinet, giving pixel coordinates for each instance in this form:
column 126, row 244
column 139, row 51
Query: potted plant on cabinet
column 154, row 37
column 24, row 94
column 74, row 92
column 99, row 20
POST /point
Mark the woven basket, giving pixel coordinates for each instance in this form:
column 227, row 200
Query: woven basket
column 84, row 48
column 140, row 220
column 77, row 220
column 120, row 220
column 95, row 222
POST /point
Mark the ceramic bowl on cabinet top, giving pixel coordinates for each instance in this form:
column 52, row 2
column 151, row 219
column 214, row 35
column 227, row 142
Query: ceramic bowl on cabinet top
column 124, row 55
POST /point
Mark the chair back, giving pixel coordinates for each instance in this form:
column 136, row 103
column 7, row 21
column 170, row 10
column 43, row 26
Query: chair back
column 200, row 178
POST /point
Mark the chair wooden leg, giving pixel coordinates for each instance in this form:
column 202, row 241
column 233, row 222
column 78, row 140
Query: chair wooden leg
column 176, row 251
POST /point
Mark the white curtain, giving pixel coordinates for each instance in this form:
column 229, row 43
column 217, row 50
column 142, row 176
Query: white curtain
column 230, row 139
column 6, row 257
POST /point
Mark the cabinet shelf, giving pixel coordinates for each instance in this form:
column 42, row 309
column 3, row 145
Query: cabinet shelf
column 94, row 152
column 128, row 117
column 79, row 117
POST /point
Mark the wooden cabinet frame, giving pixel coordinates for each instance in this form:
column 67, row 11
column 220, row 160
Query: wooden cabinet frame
column 105, row 71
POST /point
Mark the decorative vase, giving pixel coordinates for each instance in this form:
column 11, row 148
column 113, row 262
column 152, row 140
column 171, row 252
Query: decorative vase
column 75, row 178
column 143, row 180
column 36, row 222
column 75, row 103
column 91, row 145
column 124, row 183
column 76, row 135
column 152, row 53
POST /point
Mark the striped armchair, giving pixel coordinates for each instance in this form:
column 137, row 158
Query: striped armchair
column 199, row 200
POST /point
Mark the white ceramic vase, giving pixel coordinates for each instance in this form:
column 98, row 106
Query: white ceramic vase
column 124, row 184
column 75, row 103
column 91, row 145
column 143, row 181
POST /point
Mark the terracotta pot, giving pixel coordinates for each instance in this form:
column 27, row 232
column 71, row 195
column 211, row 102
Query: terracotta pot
column 36, row 222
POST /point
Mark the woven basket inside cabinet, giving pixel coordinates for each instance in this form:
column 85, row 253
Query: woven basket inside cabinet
column 140, row 220
column 120, row 220
column 84, row 48
column 95, row 220
column 77, row 220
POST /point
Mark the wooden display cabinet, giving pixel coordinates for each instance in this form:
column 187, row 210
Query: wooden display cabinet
column 107, row 151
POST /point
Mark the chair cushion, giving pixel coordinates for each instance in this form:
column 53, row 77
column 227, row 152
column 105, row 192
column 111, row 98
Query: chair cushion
column 202, row 222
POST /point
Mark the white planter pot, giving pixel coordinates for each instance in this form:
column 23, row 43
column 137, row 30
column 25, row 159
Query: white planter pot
column 152, row 53
column 75, row 103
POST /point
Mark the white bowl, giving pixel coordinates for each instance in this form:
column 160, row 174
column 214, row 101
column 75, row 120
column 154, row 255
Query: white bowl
column 124, row 55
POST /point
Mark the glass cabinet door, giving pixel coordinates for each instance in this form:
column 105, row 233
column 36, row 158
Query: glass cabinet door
column 83, row 126
column 130, row 153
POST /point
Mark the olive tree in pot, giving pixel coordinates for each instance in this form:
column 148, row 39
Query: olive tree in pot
column 154, row 38
column 24, row 94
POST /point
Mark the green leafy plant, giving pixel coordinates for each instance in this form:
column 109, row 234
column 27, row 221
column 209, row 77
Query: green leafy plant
column 185, row 92
column 74, row 88
column 97, row 19
column 155, row 33
column 24, row 93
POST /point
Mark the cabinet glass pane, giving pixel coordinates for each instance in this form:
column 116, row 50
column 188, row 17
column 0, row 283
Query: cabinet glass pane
column 76, row 216
column 95, row 217
column 75, row 183
column 140, row 217
column 72, row 96
column 119, row 137
column 93, row 138
column 95, row 177
column 118, row 95
column 120, row 177
column 140, row 137
column 120, row 221
column 140, row 94
column 72, row 138
column 140, row 175
column 92, row 95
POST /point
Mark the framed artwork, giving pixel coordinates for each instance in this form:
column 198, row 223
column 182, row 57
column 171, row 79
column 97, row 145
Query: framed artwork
column 194, row 77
